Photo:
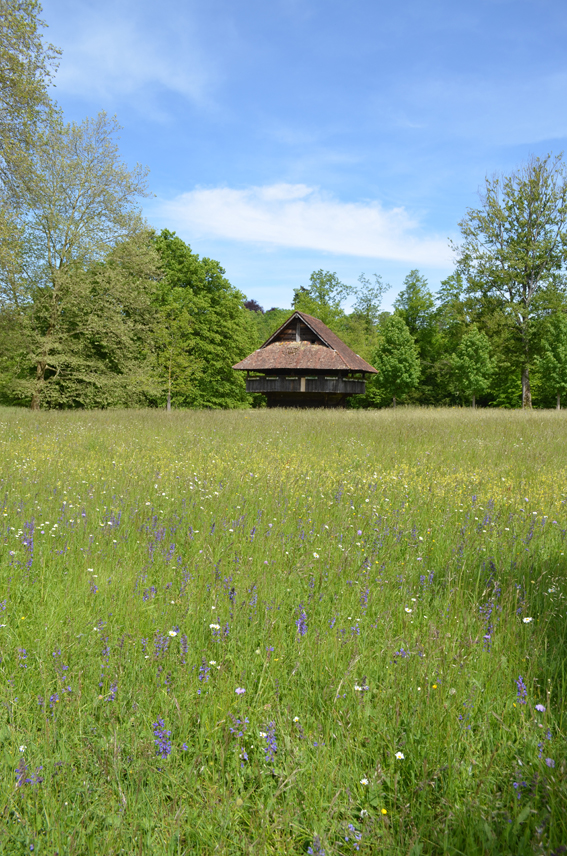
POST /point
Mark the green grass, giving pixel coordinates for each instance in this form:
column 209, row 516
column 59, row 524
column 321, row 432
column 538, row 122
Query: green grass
column 410, row 547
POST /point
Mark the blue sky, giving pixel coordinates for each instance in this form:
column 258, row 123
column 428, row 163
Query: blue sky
column 291, row 135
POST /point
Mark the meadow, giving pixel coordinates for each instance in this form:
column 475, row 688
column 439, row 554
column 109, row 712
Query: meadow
column 261, row 632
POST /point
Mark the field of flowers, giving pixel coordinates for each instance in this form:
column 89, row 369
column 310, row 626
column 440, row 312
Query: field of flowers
column 283, row 632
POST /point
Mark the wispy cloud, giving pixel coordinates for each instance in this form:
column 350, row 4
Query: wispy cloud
column 111, row 54
column 296, row 215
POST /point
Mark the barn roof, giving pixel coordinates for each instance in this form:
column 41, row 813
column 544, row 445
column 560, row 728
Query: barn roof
column 324, row 351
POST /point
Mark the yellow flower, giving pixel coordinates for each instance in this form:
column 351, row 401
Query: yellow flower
column 434, row 686
column 384, row 811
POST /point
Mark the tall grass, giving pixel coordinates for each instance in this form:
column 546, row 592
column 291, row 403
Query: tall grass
column 283, row 632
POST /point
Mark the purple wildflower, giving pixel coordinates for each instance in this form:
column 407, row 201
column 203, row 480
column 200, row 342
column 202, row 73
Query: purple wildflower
column 301, row 621
column 550, row 762
column 316, row 850
column 239, row 690
column 522, row 691
column 272, row 746
column 162, row 741
column 540, row 707
column 355, row 835
column 21, row 772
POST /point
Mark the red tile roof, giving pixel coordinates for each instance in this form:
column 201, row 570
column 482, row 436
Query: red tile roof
column 329, row 354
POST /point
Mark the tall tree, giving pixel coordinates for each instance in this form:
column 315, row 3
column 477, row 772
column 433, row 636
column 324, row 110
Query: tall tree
column 26, row 68
column 472, row 365
column 396, row 359
column 78, row 202
column 416, row 305
column 514, row 248
column 552, row 363
column 323, row 297
column 207, row 329
column 102, row 344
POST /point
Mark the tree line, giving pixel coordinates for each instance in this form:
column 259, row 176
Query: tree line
column 99, row 310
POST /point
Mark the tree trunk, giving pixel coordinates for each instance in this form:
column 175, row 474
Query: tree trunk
column 474, row 402
column 526, row 388
column 394, row 401
column 169, row 387
column 39, row 376
column 558, row 401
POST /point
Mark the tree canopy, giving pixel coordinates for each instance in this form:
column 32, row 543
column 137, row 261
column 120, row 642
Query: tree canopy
column 514, row 249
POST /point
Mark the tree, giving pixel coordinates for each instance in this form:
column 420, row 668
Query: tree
column 369, row 298
column 552, row 364
column 322, row 298
column 396, row 359
column 205, row 329
column 103, row 346
column 472, row 365
column 415, row 303
column 253, row 306
column 514, row 248
column 77, row 204
column 26, row 69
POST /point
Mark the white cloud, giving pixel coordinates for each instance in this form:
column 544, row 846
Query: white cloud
column 295, row 215
column 109, row 54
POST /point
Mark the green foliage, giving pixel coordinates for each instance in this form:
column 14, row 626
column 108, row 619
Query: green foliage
column 330, row 565
column 76, row 203
column 552, row 364
column 415, row 304
column 514, row 250
column 472, row 365
column 99, row 338
column 205, row 329
column 323, row 298
column 26, row 69
column 396, row 360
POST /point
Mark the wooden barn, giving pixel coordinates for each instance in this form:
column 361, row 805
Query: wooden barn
column 304, row 364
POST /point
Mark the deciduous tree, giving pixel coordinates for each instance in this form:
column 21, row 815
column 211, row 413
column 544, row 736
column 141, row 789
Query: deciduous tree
column 472, row 365
column 552, row 363
column 396, row 359
column 208, row 328
column 77, row 203
column 514, row 248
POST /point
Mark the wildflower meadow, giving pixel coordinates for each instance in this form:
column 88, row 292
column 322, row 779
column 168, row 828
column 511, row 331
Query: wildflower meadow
column 295, row 632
